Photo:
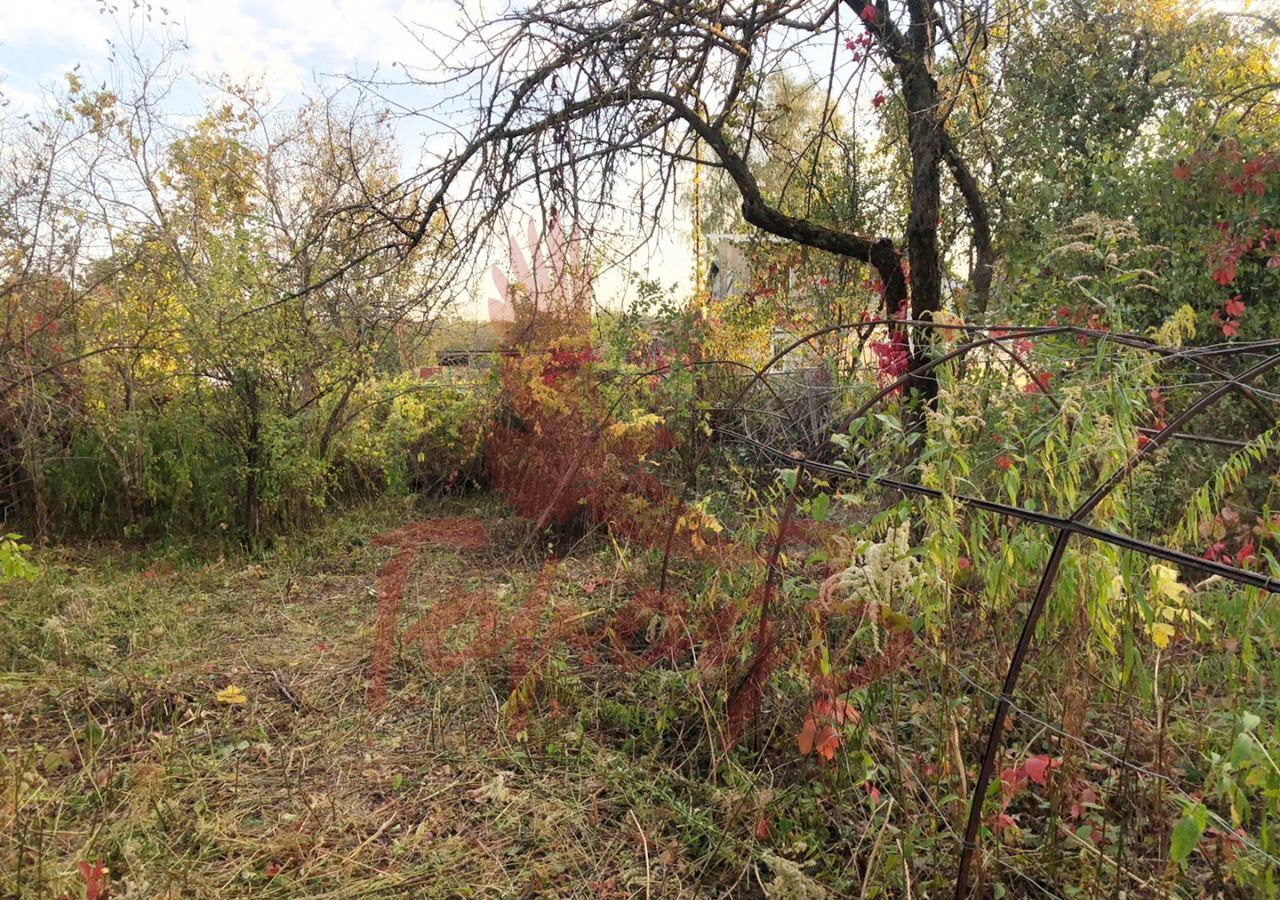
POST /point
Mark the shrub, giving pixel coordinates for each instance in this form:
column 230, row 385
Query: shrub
column 412, row 434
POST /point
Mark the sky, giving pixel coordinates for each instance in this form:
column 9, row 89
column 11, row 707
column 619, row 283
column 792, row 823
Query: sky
column 284, row 45
column 285, row 42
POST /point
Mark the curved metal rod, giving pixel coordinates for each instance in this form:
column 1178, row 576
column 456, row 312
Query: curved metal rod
column 1198, row 438
column 1049, row 520
column 994, row 334
column 1033, row 331
column 701, row 455
column 1065, row 528
column 1038, row 603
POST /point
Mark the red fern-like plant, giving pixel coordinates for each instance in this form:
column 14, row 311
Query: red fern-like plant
column 460, row 533
column 563, row 455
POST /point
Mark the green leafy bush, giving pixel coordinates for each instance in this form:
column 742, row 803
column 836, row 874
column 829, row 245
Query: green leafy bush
column 412, row 434
column 13, row 564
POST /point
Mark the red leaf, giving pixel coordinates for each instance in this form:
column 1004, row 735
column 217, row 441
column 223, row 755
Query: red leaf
column 1080, row 805
column 1235, row 306
column 808, row 734
column 1037, row 769
column 829, row 742
column 1040, row 384
column 1003, row 822
column 95, row 880
column 821, row 731
column 1013, row 780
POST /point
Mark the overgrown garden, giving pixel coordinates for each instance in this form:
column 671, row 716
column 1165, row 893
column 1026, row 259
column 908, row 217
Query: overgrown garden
column 936, row 557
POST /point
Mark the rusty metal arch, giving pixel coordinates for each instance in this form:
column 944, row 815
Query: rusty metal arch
column 1075, row 523
column 1047, row 579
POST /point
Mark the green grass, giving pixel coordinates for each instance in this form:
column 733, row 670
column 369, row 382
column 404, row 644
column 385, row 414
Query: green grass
column 612, row 783
column 116, row 747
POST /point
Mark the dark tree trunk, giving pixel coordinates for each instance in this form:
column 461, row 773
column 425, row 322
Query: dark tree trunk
column 912, row 56
column 924, row 132
column 251, row 505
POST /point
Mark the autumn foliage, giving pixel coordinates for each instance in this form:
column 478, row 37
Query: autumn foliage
column 462, row 533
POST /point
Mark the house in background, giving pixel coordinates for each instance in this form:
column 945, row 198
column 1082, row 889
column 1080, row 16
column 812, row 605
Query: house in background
column 730, row 271
column 732, row 275
column 458, row 350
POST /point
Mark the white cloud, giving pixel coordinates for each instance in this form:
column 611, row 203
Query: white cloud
column 282, row 42
column 75, row 25
column 288, row 40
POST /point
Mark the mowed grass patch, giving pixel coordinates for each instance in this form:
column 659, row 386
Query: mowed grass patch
column 124, row 740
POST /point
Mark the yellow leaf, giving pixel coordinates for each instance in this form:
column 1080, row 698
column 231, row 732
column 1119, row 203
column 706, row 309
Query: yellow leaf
column 640, row 422
column 1165, row 584
column 232, row 695
column 1160, row 634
